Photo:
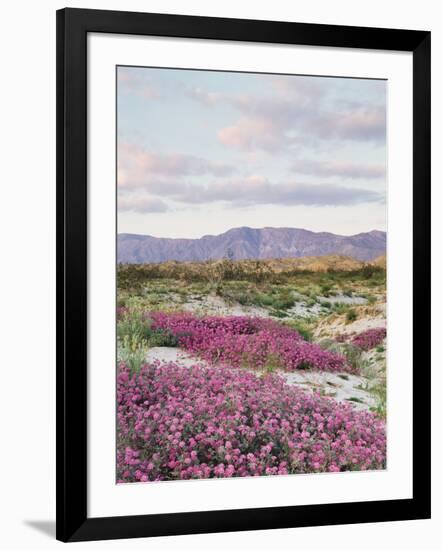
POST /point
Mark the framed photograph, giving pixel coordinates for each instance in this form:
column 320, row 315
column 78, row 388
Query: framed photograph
column 243, row 274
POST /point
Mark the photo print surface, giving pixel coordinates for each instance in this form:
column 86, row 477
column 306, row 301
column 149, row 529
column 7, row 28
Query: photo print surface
column 251, row 274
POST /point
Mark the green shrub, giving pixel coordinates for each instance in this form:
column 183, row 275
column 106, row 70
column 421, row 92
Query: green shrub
column 135, row 328
column 243, row 299
column 355, row 400
column 133, row 325
column 351, row 315
column 339, row 307
column 279, row 313
column 302, row 327
column 325, row 289
column 132, row 352
column 162, row 338
column 284, row 302
column 379, row 392
column 265, row 299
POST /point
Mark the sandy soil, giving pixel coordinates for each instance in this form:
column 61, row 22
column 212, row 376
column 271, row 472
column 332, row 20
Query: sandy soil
column 341, row 387
column 347, row 388
column 215, row 305
column 344, row 387
column 343, row 299
column 172, row 355
column 333, row 325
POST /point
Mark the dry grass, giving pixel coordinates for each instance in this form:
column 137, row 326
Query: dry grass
column 272, row 270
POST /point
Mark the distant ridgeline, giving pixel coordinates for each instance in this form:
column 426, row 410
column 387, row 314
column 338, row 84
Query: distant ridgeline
column 246, row 243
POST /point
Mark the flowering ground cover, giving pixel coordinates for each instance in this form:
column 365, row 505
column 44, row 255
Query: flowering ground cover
column 206, row 422
column 251, row 342
column 178, row 421
column 366, row 340
column 370, row 338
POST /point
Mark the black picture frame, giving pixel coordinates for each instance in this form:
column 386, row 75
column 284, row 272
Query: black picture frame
column 73, row 25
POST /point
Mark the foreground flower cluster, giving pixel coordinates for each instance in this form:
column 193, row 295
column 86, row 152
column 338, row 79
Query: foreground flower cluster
column 369, row 338
column 250, row 342
column 205, row 422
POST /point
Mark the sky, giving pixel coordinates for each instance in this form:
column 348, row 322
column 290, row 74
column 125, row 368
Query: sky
column 201, row 152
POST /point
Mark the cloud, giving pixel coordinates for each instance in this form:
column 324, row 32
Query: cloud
column 299, row 112
column 130, row 80
column 339, row 169
column 206, row 98
column 299, row 88
column 251, row 134
column 257, row 190
column 278, row 124
column 360, row 123
column 139, row 168
column 141, row 204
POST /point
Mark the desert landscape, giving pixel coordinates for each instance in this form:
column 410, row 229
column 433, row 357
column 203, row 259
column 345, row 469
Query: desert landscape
column 251, row 274
column 291, row 350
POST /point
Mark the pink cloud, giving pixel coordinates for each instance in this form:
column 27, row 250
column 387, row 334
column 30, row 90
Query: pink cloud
column 138, row 167
column 141, row 87
column 296, row 114
column 253, row 133
column 275, row 125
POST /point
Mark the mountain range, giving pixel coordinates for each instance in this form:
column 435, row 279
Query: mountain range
column 248, row 243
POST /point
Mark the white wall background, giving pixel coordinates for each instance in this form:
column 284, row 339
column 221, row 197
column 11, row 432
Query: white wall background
column 27, row 273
